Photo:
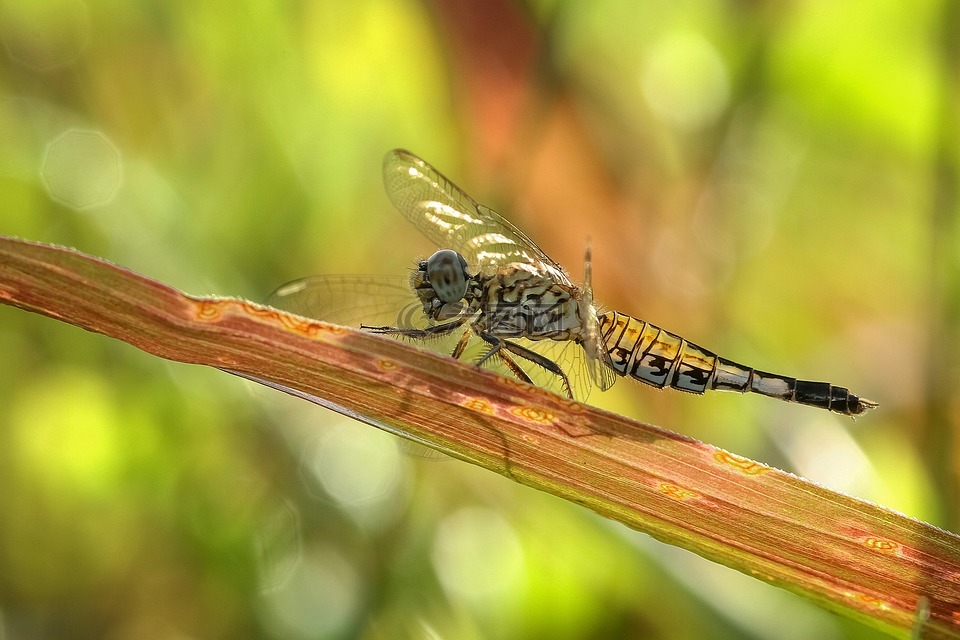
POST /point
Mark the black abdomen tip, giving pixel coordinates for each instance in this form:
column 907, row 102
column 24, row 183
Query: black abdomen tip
column 827, row 396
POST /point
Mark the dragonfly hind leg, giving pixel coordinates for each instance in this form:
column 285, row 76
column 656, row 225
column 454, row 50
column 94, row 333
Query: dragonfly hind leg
column 497, row 348
column 507, row 361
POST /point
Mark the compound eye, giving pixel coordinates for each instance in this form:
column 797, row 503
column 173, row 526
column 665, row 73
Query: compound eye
column 447, row 274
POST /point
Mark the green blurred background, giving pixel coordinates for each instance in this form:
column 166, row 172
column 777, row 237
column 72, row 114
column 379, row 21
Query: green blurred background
column 774, row 180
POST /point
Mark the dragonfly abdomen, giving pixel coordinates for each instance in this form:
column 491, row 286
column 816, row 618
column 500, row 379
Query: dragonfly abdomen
column 662, row 359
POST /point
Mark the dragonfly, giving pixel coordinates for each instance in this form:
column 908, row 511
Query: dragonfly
column 491, row 296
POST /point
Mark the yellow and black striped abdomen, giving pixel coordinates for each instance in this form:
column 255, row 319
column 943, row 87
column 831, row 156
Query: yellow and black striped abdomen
column 657, row 357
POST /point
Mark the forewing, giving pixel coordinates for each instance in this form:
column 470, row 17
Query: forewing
column 372, row 301
column 453, row 220
column 352, row 300
column 363, row 300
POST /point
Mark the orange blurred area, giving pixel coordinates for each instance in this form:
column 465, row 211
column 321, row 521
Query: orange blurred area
column 773, row 181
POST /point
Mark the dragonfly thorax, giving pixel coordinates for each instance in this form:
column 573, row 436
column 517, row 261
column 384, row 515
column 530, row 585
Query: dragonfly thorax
column 524, row 301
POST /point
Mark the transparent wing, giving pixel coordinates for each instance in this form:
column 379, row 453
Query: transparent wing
column 352, row 300
column 376, row 301
column 570, row 357
column 596, row 357
column 355, row 300
column 362, row 300
column 600, row 372
column 390, row 301
column 449, row 217
column 453, row 220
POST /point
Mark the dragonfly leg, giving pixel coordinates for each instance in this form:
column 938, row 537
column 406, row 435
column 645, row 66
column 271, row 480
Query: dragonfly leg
column 418, row 334
column 498, row 345
column 504, row 358
column 516, row 369
column 462, row 344
column 508, row 362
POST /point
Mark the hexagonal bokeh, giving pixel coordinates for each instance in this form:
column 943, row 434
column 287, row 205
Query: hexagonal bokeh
column 278, row 545
column 44, row 35
column 82, row 169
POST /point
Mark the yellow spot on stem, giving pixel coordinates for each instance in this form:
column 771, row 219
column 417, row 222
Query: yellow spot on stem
column 293, row 323
column 257, row 311
column 677, row 493
column 479, row 405
column 533, row 414
column 877, row 603
column 207, row 310
column 514, row 382
column 745, row 465
column 883, row 546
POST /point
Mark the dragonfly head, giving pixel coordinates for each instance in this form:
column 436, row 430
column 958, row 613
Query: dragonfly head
column 446, row 271
column 440, row 282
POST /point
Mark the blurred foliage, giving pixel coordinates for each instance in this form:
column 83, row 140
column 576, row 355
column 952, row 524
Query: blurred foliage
column 776, row 181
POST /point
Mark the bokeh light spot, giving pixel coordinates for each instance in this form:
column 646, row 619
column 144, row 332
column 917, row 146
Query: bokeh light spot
column 824, row 451
column 318, row 600
column 66, row 427
column 354, row 465
column 477, row 555
column 685, row 81
column 82, row 169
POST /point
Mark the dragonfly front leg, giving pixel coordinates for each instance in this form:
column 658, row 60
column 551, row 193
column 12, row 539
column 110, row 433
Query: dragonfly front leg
column 498, row 345
column 418, row 334
column 449, row 327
